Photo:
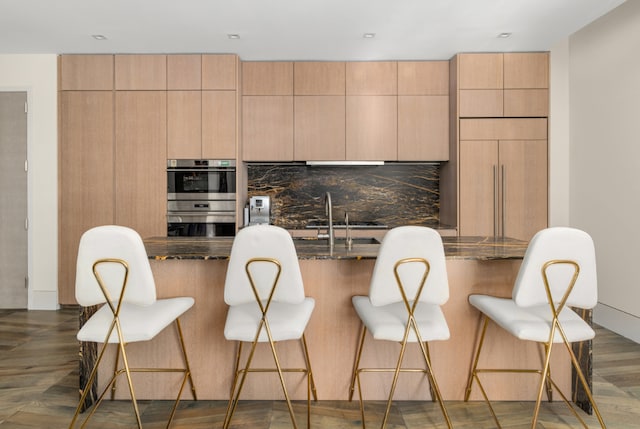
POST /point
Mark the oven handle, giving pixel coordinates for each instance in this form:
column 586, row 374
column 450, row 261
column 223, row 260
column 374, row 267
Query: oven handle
column 201, row 217
column 202, row 170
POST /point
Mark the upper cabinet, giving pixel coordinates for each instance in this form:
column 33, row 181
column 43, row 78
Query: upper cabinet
column 267, row 111
column 86, row 72
column 201, row 106
column 267, row 78
column 503, row 84
column 356, row 111
column 141, row 72
column 220, row 72
column 423, row 111
column 319, row 78
column 319, row 111
column 372, row 78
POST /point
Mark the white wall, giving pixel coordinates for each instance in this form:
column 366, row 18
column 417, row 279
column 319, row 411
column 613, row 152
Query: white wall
column 604, row 76
column 37, row 74
column 559, row 134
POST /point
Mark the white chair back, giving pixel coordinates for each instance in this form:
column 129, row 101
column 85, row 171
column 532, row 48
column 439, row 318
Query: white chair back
column 410, row 242
column 263, row 241
column 112, row 241
column 558, row 243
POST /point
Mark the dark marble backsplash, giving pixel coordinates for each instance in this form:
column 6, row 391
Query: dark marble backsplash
column 391, row 194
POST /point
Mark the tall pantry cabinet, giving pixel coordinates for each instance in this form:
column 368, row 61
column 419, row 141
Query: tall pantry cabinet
column 499, row 124
column 120, row 118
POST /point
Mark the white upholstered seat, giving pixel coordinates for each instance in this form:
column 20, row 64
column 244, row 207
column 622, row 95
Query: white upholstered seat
column 559, row 263
column 408, row 286
column 113, row 271
column 265, row 294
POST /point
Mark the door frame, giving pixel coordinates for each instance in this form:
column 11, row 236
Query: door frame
column 29, row 94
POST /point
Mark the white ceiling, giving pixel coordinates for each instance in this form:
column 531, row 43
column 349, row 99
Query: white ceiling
column 293, row 29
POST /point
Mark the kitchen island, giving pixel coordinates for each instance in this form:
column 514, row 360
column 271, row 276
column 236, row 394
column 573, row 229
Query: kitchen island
column 196, row 267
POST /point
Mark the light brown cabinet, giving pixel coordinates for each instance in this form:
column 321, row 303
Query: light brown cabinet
column 86, row 72
column 372, row 128
column 184, row 124
column 140, row 161
column 503, row 177
column 319, row 129
column 423, row 128
column 267, row 111
column 114, row 140
column 372, row 78
column 319, row 111
column 184, row 72
column 423, row 111
column 267, row 78
column 140, row 72
column 371, row 111
column 503, row 84
column 86, row 194
column 267, row 128
column 319, row 78
column 219, row 124
column 201, row 123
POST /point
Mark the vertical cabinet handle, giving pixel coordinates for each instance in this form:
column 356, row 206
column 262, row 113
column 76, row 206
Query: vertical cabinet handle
column 495, row 200
column 504, row 199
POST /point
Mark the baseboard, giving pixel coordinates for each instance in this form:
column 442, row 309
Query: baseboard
column 43, row 300
column 617, row 321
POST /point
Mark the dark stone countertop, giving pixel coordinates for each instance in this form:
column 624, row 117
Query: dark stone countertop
column 473, row 248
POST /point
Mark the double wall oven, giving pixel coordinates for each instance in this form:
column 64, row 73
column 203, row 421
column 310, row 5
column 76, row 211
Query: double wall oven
column 201, row 197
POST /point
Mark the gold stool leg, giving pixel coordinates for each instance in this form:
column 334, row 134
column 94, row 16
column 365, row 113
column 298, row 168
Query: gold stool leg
column 357, row 362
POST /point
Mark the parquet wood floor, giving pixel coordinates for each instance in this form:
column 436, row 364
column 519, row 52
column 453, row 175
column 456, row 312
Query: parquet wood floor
column 39, row 370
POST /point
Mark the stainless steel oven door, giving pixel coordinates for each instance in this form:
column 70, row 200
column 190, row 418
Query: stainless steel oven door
column 201, row 179
column 201, row 218
column 194, row 224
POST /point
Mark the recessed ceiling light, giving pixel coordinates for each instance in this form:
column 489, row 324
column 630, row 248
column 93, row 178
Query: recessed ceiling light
column 504, row 35
column 369, row 35
column 99, row 37
column 233, row 36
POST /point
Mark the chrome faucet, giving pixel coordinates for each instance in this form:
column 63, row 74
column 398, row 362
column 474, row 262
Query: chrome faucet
column 328, row 208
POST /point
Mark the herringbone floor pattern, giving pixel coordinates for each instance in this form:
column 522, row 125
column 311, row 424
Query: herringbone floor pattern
column 38, row 389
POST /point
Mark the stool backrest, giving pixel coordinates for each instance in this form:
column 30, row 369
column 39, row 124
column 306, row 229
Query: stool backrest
column 263, row 241
column 410, row 242
column 113, row 242
column 558, row 243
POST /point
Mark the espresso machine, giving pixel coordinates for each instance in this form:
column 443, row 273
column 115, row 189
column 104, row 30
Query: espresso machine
column 259, row 210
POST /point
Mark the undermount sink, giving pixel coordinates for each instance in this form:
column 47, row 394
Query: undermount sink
column 338, row 241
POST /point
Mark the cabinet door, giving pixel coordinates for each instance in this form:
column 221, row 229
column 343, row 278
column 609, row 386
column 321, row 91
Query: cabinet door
column 141, row 72
column 372, row 78
column 478, row 187
column 86, row 176
column 86, row 72
column 423, row 128
column 526, row 70
column 526, row 102
column 523, row 179
column 267, row 78
column 140, row 163
column 219, row 72
column 480, row 71
column 372, row 128
column 319, row 78
column 423, row 77
column 184, row 124
column 184, row 72
column 267, row 128
column 219, row 124
column 319, row 133
column 481, row 103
